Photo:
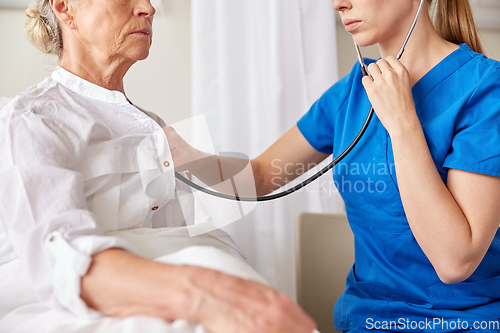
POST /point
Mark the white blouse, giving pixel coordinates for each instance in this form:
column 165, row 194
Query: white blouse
column 79, row 164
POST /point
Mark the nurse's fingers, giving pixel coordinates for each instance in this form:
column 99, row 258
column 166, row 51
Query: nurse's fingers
column 396, row 64
column 384, row 66
column 367, row 83
column 374, row 70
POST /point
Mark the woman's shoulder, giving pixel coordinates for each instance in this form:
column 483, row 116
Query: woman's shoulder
column 45, row 101
column 24, row 100
column 484, row 72
column 479, row 65
column 464, row 78
column 39, row 118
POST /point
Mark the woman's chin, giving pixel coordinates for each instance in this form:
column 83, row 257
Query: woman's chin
column 142, row 56
column 139, row 54
column 364, row 41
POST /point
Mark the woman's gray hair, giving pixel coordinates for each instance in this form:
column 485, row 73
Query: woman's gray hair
column 43, row 28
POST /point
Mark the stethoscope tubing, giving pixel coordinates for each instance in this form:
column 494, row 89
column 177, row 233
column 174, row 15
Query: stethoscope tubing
column 296, row 187
column 327, row 168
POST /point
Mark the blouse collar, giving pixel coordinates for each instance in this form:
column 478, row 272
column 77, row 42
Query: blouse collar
column 86, row 88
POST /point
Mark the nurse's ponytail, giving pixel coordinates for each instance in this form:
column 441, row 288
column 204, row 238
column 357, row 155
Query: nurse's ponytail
column 43, row 29
column 454, row 22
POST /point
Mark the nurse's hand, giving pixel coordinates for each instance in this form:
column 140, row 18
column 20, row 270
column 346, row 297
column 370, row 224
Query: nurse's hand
column 183, row 154
column 389, row 91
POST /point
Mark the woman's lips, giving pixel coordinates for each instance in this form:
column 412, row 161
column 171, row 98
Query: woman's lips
column 350, row 25
column 143, row 32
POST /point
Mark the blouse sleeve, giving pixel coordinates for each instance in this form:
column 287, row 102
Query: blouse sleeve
column 475, row 145
column 44, row 211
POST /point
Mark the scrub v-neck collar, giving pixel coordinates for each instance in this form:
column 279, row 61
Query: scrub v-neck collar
column 441, row 71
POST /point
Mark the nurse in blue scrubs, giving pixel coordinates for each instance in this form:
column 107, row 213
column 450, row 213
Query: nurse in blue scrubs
column 422, row 187
column 427, row 246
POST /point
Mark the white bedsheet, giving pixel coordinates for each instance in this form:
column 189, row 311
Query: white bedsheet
column 20, row 312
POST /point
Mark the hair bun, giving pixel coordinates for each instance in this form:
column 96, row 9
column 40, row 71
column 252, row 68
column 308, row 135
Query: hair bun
column 43, row 29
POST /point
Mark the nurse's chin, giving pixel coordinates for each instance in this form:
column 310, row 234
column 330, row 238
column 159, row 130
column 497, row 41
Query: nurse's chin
column 363, row 41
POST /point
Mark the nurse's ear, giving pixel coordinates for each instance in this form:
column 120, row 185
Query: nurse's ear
column 64, row 12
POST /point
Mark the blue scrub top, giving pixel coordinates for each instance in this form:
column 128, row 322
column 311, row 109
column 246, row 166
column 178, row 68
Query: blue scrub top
column 392, row 285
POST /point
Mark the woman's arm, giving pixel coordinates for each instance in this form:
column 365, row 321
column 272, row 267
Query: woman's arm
column 454, row 224
column 289, row 157
column 121, row 284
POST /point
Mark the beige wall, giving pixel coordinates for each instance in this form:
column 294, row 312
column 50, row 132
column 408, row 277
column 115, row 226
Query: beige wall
column 21, row 65
column 162, row 83
column 491, row 43
column 347, row 52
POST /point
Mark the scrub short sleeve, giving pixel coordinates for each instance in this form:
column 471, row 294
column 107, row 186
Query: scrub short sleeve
column 475, row 145
column 317, row 124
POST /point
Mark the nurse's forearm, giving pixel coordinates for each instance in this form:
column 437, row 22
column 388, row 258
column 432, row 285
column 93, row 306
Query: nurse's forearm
column 228, row 175
column 285, row 160
column 436, row 220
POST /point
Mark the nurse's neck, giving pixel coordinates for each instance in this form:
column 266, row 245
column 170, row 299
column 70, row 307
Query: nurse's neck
column 425, row 49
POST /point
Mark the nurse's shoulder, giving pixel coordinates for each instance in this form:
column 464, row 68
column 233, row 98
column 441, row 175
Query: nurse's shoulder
column 480, row 68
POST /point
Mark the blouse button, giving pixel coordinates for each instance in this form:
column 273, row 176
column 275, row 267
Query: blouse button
column 166, row 164
column 154, row 208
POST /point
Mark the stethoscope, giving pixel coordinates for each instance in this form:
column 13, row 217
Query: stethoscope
column 331, row 164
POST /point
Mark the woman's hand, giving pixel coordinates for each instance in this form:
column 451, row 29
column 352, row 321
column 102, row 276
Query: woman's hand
column 183, row 154
column 121, row 284
column 389, row 91
column 228, row 304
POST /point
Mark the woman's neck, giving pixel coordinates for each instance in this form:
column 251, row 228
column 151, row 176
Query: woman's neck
column 96, row 68
column 425, row 48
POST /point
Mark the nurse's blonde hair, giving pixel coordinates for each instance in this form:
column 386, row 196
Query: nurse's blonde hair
column 43, row 28
column 454, row 22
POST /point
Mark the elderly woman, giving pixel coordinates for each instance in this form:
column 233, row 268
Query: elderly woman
column 78, row 228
